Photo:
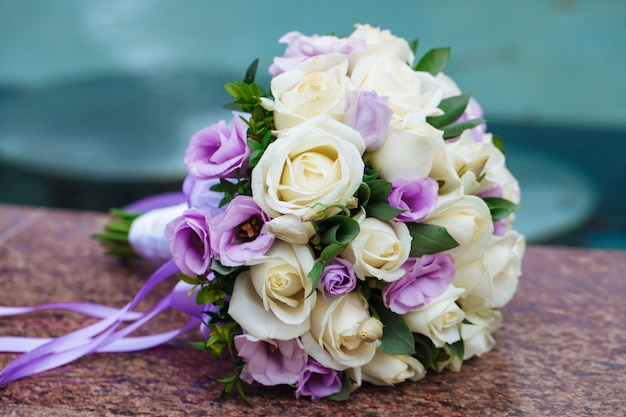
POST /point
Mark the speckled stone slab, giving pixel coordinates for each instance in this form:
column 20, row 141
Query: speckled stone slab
column 561, row 351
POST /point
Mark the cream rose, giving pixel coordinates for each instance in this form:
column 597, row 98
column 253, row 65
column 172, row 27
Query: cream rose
column 483, row 161
column 439, row 320
column 387, row 369
column 334, row 339
column 380, row 248
column 270, row 301
column 317, row 162
column 503, row 261
column 382, row 42
column 478, row 336
column 413, row 154
column 317, row 86
column 411, row 93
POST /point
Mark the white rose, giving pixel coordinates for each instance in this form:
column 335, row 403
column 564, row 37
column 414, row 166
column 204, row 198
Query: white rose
column 503, row 261
column 334, row 339
column 478, row 336
column 411, row 93
column 413, row 154
column 439, row 320
column 316, row 162
column 270, row 301
column 382, row 42
column 317, row 86
column 483, row 160
column 387, row 369
column 450, row 88
column 380, row 248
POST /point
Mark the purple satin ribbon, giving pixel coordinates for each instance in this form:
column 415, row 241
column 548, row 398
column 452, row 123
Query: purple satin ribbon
column 42, row 354
column 157, row 201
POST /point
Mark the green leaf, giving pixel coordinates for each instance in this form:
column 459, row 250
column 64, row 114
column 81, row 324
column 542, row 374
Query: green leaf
column 370, row 174
column 315, row 275
column 429, row 239
column 363, row 194
column 397, row 337
column 338, row 229
column 344, row 394
column 190, row 280
column 434, row 61
column 452, row 107
column 500, row 208
column 379, row 189
column 413, row 45
column 197, row 345
column 233, row 89
column 498, row 143
column 455, row 130
column 251, row 72
column 457, row 348
column 383, row 211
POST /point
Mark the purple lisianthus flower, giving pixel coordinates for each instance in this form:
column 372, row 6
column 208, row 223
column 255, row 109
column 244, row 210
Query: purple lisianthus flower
column 218, row 150
column 200, row 196
column 188, row 238
column 240, row 232
column 425, row 279
column 300, row 47
column 271, row 362
column 338, row 277
column 317, row 381
column 417, row 197
column 370, row 115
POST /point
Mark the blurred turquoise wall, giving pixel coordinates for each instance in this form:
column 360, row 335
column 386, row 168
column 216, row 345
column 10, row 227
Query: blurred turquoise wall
column 545, row 61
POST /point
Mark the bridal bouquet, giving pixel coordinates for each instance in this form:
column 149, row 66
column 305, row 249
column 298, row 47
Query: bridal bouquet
column 350, row 224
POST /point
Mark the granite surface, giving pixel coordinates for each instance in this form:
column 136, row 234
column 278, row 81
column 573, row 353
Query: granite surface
column 561, row 351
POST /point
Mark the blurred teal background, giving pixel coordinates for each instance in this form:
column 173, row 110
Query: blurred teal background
column 99, row 98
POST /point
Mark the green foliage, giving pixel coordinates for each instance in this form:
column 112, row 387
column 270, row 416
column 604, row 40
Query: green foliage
column 434, row 61
column 344, row 394
column 457, row 348
column 454, row 130
column 426, row 352
column 335, row 233
column 397, row 337
column 233, row 382
column 452, row 107
column 500, row 208
column 373, row 194
column 114, row 238
column 429, row 239
column 498, row 142
column 231, row 188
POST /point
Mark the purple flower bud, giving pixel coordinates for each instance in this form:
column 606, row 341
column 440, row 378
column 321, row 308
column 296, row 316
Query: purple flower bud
column 370, row 115
column 200, row 196
column 425, row 279
column 418, row 197
column 338, row 277
column 300, row 47
column 317, row 381
column 188, row 238
column 218, row 150
column 240, row 232
column 271, row 362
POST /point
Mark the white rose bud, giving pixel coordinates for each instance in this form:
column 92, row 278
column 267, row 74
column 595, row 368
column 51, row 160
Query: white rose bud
column 291, row 229
column 370, row 330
